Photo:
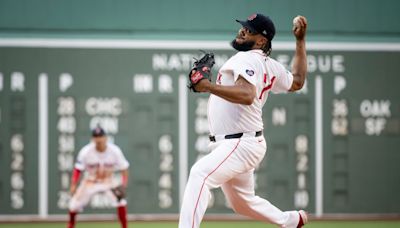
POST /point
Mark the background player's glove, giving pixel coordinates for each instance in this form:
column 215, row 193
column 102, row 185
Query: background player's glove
column 201, row 70
column 119, row 192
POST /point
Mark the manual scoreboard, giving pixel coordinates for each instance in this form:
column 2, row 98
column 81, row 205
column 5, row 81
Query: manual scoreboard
column 331, row 146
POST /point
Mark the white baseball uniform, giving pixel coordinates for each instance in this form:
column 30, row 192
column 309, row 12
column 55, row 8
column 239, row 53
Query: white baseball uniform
column 231, row 163
column 99, row 168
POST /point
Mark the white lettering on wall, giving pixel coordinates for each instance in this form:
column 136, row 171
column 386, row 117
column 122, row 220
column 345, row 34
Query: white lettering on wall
column 181, row 61
column 16, row 177
column 339, row 125
column 377, row 108
column 143, row 83
column 103, row 106
column 339, row 84
column 165, row 84
column 320, row 63
column 17, row 82
column 279, row 116
column 165, row 146
column 65, row 82
column 66, row 127
column 375, row 112
column 301, row 195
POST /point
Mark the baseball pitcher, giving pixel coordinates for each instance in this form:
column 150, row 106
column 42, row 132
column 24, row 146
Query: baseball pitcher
column 235, row 121
column 99, row 160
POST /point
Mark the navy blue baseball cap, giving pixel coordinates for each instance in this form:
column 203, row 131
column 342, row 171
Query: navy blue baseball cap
column 98, row 131
column 261, row 24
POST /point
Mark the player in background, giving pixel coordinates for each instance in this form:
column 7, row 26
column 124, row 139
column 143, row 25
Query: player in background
column 235, row 121
column 99, row 160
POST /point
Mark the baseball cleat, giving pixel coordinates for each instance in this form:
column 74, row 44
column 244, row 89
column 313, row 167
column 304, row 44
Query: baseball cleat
column 303, row 219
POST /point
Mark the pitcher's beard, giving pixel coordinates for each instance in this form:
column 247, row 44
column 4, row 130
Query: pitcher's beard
column 245, row 46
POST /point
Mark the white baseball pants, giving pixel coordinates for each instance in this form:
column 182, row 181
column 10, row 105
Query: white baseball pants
column 231, row 165
column 87, row 189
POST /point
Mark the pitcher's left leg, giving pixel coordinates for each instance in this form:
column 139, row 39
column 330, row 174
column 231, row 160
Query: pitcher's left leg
column 240, row 193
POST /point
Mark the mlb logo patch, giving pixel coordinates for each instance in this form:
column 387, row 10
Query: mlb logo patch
column 250, row 72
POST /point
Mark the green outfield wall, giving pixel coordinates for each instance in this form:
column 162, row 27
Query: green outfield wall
column 332, row 147
column 189, row 19
column 66, row 66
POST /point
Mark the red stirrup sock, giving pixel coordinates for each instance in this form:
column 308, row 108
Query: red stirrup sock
column 71, row 222
column 122, row 216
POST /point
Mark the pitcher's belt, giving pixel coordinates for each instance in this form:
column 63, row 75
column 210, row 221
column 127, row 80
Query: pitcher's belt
column 235, row 136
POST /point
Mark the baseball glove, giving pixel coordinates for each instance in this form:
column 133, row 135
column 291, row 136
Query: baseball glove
column 201, row 70
column 119, row 192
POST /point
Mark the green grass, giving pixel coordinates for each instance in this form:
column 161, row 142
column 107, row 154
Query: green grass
column 355, row 224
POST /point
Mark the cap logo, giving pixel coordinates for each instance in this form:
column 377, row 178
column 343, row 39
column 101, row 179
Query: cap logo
column 98, row 131
column 264, row 32
column 250, row 72
column 251, row 17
